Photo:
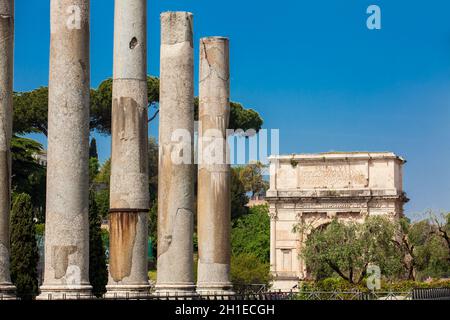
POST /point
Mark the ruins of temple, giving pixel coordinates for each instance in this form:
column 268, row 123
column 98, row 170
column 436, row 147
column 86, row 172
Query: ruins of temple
column 313, row 189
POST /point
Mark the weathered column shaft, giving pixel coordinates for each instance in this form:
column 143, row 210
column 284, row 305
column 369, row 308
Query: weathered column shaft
column 66, row 273
column 214, row 193
column 6, row 98
column 176, row 168
column 129, row 190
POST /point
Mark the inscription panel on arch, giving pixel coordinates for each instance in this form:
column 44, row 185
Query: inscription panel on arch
column 334, row 175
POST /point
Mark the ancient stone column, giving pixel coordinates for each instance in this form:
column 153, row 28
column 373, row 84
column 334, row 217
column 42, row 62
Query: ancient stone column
column 6, row 97
column 176, row 168
column 214, row 193
column 129, row 193
column 66, row 274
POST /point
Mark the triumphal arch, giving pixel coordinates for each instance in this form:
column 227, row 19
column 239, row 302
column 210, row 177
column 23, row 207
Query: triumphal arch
column 313, row 189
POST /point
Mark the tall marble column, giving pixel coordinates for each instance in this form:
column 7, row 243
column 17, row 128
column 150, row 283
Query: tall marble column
column 214, row 193
column 6, row 98
column 176, row 167
column 66, row 274
column 129, row 193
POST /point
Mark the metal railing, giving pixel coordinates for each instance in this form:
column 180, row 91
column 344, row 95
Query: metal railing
column 431, row 294
column 258, row 294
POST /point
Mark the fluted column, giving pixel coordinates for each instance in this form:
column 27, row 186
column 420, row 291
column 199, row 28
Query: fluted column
column 6, row 98
column 129, row 191
column 176, row 168
column 214, row 193
column 66, row 273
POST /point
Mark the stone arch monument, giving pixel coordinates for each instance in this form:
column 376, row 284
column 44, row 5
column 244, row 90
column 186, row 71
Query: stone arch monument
column 313, row 189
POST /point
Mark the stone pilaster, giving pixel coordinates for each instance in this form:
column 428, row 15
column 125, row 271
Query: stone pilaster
column 176, row 168
column 214, row 193
column 129, row 194
column 273, row 238
column 7, row 290
column 66, row 274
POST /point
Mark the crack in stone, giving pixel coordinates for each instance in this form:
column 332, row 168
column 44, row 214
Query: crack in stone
column 168, row 238
column 211, row 69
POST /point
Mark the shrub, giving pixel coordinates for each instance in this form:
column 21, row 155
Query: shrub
column 24, row 250
column 248, row 269
column 251, row 234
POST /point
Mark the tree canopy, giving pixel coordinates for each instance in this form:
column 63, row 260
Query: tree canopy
column 28, row 175
column 31, row 109
column 252, row 178
column 347, row 249
column 402, row 250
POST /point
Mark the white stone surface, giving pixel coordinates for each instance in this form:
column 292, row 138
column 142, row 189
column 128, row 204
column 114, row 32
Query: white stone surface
column 176, row 180
column 312, row 189
column 66, row 274
column 129, row 197
column 6, row 100
column 214, row 193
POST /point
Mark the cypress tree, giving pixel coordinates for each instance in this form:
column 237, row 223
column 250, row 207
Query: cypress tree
column 24, row 250
column 98, row 273
column 93, row 149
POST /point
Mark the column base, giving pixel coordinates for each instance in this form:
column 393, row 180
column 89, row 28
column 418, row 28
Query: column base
column 7, row 292
column 173, row 291
column 63, row 292
column 133, row 292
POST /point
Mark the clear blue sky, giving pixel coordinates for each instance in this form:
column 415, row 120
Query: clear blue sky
column 312, row 69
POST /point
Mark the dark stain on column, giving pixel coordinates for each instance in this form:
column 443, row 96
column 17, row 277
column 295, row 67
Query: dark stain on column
column 122, row 239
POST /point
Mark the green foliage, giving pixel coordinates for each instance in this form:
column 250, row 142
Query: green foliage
column 93, row 169
column 244, row 119
column 98, row 274
column 443, row 230
column 408, row 285
column 153, row 226
column 101, row 102
column 252, row 178
column 24, row 251
column 250, row 247
column 347, row 248
column 102, row 200
column 240, row 118
column 331, row 284
column 239, row 199
column 40, row 229
column 104, row 174
column 432, row 258
column 153, row 158
column 340, row 285
column 30, row 111
column 425, row 251
column 28, row 176
column 248, row 269
column 93, row 149
column 250, row 234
